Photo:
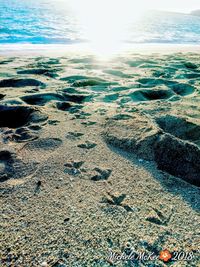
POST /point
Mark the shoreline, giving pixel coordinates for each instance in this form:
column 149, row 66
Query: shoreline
column 60, row 50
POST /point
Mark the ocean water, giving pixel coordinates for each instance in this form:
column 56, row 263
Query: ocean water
column 52, row 22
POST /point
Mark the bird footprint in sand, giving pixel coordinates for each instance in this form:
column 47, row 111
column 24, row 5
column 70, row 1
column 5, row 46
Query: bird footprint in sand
column 87, row 145
column 101, row 174
column 73, row 168
column 159, row 218
column 74, row 135
column 117, row 200
column 88, row 123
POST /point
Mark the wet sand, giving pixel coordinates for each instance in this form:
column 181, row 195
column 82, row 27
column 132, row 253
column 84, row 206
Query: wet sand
column 98, row 156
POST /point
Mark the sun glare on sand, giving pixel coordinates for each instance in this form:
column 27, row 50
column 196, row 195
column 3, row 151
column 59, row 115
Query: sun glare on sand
column 105, row 22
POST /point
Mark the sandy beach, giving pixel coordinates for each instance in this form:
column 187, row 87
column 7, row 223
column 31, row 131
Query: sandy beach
column 99, row 156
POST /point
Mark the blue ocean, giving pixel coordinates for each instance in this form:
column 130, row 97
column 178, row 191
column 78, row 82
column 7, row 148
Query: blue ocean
column 51, row 22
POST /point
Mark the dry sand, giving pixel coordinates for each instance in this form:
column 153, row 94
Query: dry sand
column 98, row 156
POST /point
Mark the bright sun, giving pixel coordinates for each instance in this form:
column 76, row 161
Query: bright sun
column 105, row 22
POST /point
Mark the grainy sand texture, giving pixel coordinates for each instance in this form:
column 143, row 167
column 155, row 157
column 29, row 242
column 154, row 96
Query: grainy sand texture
column 99, row 157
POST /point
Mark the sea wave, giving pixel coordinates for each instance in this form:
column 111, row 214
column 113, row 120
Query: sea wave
column 43, row 22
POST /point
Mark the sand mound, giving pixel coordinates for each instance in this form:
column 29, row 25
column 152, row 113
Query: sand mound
column 192, row 75
column 182, row 89
column 18, row 116
column 14, row 117
column 47, row 144
column 150, row 95
column 23, row 123
column 153, row 82
column 141, row 136
column 41, row 99
column 12, row 167
column 181, row 159
column 46, row 72
column 186, row 130
column 40, row 149
column 136, row 134
column 84, row 81
column 64, row 106
column 20, row 83
column 77, row 98
column 190, row 65
column 2, row 96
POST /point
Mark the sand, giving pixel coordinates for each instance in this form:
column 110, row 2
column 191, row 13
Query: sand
column 99, row 156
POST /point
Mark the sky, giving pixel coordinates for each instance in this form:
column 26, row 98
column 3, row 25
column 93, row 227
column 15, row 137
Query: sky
column 173, row 5
column 184, row 6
